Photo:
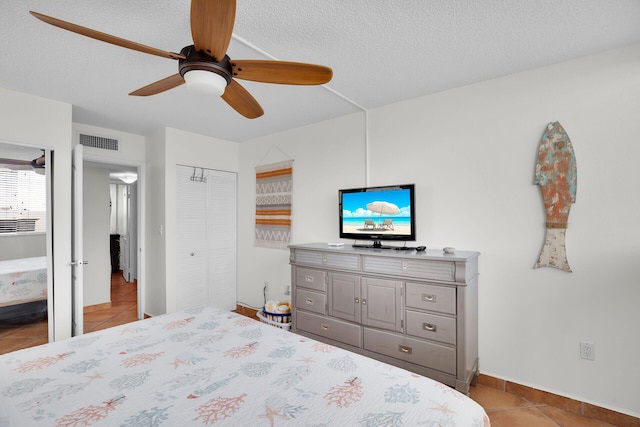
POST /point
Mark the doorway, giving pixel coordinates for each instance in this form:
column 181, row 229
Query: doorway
column 113, row 225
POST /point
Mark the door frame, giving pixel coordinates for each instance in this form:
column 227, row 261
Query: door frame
column 140, row 200
column 77, row 224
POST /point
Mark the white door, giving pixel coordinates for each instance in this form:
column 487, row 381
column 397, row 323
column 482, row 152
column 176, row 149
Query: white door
column 191, row 239
column 50, row 302
column 77, row 263
column 221, row 217
column 206, row 238
column 132, row 232
column 126, row 242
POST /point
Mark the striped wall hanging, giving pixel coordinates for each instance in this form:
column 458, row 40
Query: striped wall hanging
column 273, row 204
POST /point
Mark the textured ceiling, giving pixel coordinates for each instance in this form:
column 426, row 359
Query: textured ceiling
column 381, row 52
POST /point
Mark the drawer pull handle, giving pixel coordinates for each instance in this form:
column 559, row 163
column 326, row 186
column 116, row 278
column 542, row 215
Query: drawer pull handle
column 364, row 301
column 428, row 298
column 429, row 327
column 324, row 327
column 405, row 349
column 308, row 279
column 309, row 301
column 357, row 300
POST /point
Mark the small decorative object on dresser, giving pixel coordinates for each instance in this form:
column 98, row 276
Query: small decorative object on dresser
column 415, row 310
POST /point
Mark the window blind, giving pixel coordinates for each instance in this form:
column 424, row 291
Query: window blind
column 23, row 201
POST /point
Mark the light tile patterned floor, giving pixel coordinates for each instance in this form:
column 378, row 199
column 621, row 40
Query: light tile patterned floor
column 510, row 410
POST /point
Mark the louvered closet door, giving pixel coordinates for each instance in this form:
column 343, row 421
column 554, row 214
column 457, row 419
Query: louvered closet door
column 206, row 238
column 222, row 239
column 191, row 243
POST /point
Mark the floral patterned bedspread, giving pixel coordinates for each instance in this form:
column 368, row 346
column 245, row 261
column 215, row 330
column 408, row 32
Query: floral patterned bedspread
column 210, row 367
column 23, row 280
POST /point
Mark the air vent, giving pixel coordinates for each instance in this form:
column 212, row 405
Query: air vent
column 98, row 142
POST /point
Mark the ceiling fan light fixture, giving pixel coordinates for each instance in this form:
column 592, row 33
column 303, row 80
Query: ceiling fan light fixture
column 205, row 82
column 126, row 177
column 129, row 178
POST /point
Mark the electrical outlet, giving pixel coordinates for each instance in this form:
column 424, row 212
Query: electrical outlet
column 287, row 290
column 587, row 350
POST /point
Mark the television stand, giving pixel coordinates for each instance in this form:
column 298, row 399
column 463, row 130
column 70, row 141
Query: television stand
column 418, row 311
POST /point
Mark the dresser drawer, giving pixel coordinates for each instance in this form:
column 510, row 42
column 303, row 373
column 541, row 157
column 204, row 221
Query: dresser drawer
column 431, row 297
column 406, row 267
column 431, row 326
column 428, row 354
column 340, row 261
column 311, row 279
column 311, row 301
column 337, row 330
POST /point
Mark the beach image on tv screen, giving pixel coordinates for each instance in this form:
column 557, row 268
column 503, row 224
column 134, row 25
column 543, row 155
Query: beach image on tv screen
column 377, row 212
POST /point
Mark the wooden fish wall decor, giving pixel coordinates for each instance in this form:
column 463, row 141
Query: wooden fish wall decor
column 556, row 174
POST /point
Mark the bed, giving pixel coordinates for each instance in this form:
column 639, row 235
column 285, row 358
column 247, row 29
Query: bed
column 206, row 366
column 23, row 289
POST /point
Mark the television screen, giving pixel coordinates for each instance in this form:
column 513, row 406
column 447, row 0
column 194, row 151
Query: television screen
column 378, row 213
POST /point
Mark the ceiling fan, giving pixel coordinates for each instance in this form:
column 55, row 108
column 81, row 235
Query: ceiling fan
column 36, row 164
column 205, row 66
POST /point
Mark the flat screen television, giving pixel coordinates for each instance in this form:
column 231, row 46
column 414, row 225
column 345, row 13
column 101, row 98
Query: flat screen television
column 378, row 213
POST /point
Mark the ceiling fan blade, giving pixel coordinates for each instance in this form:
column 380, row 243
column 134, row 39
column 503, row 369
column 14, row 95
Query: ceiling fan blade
column 241, row 100
column 88, row 32
column 14, row 164
column 211, row 26
column 282, row 72
column 159, row 86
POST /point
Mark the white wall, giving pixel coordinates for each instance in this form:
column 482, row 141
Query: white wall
column 96, row 242
column 472, row 152
column 39, row 122
column 16, row 246
column 131, row 147
column 156, row 293
column 327, row 156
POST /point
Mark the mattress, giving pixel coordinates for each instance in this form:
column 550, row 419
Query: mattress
column 206, row 366
column 23, row 280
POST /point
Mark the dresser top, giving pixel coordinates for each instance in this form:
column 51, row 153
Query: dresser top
column 433, row 254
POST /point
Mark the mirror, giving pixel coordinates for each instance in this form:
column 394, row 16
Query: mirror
column 23, row 247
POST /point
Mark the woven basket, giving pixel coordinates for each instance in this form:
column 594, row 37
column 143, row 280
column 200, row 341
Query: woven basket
column 282, row 321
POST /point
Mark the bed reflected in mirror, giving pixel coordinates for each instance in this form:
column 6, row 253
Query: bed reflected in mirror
column 23, row 247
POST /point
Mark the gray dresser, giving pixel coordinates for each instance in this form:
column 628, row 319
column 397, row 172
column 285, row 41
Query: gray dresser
column 416, row 310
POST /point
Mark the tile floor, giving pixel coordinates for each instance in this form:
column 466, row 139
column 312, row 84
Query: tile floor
column 123, row 309
column 505, row 409
column 510, row 410
column 16, row 337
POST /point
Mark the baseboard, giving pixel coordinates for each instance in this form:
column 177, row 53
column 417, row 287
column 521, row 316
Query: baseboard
column 575, row 406
column 247, row 311
column 97, row 307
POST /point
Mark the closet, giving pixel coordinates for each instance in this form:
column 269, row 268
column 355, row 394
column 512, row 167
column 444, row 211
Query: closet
column 206, row 238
